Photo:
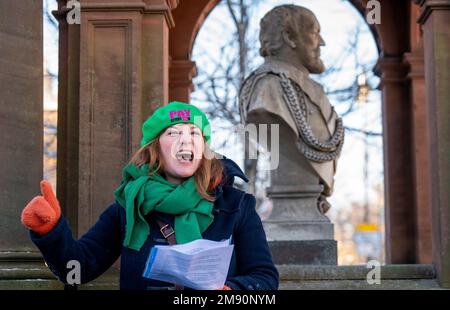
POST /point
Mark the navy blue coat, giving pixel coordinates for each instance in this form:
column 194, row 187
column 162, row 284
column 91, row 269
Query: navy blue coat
column 251, row 267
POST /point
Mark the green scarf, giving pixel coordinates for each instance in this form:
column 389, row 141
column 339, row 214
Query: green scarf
column 142, row 192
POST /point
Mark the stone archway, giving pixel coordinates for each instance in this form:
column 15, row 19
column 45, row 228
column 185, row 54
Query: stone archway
column 189, row 20
column 404, row 119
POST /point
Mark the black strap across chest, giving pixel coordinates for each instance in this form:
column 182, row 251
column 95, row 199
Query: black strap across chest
column 169, row 234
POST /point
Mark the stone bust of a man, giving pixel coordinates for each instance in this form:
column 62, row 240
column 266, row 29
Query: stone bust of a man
column 281, row 91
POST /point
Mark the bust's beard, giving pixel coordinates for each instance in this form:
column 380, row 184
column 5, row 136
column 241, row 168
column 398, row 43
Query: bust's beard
column 316, row 66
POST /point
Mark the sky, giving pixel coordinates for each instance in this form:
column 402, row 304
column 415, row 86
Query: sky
column 50, row 57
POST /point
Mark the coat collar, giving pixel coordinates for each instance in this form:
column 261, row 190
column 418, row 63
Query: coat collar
column 231, row 170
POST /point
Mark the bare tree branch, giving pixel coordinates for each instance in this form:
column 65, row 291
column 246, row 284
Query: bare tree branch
column 368, row 133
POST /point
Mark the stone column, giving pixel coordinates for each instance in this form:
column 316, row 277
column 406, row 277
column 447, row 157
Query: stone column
column 21, row 140
column 114, row 73
column 21, row 113
column 181, row 74
column 188, row 20
column 21, row 125
column 68, row 101
column 392, row 36
column 435, row 21
column 397, row 140
column 415, row 62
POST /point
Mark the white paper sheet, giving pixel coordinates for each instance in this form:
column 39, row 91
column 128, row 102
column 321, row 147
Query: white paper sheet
column 201, row 264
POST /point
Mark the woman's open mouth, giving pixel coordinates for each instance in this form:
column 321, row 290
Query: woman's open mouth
column 185, row 156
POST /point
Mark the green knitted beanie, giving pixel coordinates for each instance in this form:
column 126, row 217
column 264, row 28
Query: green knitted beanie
column 174, row 113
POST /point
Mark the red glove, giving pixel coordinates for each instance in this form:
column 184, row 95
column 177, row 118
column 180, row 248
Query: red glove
column 43, row 212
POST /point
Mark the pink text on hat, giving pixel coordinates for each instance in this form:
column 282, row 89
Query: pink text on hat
column 179, row 114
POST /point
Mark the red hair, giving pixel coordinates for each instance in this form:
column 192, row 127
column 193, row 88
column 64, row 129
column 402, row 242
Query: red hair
column 207, row 177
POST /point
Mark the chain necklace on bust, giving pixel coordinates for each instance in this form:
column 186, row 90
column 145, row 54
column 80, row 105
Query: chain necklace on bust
column 308, row 144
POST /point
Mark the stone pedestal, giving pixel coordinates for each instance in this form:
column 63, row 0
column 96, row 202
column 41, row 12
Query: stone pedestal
column 295, row 215
column 296, row 231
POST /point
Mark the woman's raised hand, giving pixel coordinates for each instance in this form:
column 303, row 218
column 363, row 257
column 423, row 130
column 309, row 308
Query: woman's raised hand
column 43, row 212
